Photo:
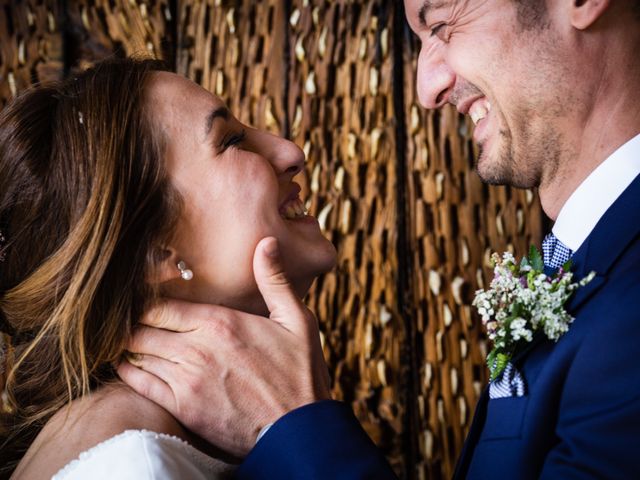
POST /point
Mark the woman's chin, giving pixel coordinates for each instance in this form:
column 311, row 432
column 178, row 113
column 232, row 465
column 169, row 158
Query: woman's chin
column 301, row 287
column 325, row 261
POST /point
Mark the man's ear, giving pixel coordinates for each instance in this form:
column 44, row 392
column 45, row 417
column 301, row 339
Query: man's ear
column 584, row 13
column 164, row 269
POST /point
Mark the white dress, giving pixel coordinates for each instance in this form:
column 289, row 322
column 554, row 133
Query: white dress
column 144, row 455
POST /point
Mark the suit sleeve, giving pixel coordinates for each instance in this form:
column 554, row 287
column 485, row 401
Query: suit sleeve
column 598, row 428
column 318, row 441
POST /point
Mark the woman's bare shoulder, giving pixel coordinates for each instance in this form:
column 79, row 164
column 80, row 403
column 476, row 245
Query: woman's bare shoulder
column 115, row 408
column 89, row 421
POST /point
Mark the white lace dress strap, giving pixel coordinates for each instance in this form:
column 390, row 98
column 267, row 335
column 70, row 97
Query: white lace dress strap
column 144, row 455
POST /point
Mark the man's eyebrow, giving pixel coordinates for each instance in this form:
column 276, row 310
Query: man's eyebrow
column 426, row 6
column 220, row 112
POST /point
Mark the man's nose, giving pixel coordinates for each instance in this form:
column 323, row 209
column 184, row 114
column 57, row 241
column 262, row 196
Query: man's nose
column 435, row 79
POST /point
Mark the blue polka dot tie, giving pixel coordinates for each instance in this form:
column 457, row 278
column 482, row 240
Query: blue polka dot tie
column 554, row 252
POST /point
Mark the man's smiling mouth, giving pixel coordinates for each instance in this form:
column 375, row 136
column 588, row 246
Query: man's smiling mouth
column 479, row 110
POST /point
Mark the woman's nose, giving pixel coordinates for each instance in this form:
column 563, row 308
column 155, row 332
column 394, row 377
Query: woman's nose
column 285, row 156
column 435, row 79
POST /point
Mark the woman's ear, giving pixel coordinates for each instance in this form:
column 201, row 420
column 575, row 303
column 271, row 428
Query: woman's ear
column 164, row 267
column 584, row 13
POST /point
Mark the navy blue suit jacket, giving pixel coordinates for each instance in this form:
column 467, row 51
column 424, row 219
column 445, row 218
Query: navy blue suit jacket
column 580, row 417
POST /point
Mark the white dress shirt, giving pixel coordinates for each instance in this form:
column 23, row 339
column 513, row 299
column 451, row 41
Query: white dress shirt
column 593, row 197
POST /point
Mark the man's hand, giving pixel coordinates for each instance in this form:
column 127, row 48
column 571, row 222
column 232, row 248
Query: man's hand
column 225, row 374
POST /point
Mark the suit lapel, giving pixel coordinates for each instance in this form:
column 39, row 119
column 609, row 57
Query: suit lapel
column 585, row 293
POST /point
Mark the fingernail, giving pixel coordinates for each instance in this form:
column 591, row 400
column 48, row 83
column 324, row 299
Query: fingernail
column 133, row 357
column 271, row 248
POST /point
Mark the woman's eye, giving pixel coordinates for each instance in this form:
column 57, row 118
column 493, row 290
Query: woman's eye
column 233, row 140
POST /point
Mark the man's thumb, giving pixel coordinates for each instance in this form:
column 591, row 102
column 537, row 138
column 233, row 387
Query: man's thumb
column 283, row 304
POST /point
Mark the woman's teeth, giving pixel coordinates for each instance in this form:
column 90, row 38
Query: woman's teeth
column 294, row 209
column 479, row 110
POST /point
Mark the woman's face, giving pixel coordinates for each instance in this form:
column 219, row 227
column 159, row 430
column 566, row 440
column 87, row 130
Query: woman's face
column 237, row 186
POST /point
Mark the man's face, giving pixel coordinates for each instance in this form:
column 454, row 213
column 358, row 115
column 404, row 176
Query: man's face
column 502, row 66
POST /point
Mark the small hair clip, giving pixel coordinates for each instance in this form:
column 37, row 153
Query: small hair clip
column 81, row 118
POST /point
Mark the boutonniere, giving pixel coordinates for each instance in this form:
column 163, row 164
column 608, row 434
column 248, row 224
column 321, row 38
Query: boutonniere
column 521, row 301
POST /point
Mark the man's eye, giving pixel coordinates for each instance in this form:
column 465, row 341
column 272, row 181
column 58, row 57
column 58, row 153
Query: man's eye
column 233, row 140
column 437, row 29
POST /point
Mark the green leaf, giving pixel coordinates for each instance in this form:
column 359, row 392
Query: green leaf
column 491, row 361
column 535, row 258
column 517, row 310
column 567, row 265
column 497, row 362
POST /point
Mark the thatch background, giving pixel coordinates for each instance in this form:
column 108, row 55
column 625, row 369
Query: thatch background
column 393, row 185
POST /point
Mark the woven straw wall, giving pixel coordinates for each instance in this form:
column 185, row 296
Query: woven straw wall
column 392, row 185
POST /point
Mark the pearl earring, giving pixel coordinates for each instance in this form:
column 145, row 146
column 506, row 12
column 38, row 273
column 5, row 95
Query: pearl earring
column 185, row 273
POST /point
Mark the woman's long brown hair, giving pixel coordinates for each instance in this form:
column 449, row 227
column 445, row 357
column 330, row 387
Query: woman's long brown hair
column 84, row 202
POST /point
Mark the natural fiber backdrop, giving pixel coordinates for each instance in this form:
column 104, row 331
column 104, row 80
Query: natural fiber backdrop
column 392, row 185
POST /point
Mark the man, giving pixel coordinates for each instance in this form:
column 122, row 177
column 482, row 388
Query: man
column 553, row 90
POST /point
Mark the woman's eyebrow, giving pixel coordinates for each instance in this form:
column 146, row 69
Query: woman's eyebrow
column 220, row 112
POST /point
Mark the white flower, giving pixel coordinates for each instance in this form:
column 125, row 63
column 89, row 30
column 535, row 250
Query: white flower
column 507, row 257
column 519, row 330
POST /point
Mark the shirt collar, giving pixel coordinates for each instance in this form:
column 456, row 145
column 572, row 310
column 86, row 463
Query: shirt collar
column 593, row 197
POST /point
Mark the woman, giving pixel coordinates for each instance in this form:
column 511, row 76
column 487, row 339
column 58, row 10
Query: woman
column 119, row 186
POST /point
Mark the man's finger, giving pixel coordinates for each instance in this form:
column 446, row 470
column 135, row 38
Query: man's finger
column 175, row 315
column 147, row 384
column 284, row 305
column 154, row 341
column 159, row 367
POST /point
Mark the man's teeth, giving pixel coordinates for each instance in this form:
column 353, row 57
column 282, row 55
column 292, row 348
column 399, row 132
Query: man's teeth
column 479, row 110
column 294, row 209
